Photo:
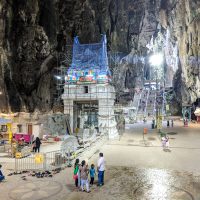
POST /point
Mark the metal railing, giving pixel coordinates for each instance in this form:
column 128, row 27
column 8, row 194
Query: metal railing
column 163, row 103
column 42, row 161
column 154, row 105
column 145, row 111
column 138, row 104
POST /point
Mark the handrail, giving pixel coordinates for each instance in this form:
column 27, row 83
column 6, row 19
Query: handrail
column 163, row 103
column 154, row 106
column 138, row 104
column 145, row 112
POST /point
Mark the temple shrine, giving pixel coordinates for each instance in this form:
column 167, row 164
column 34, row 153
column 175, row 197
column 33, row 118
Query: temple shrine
column 88, row 95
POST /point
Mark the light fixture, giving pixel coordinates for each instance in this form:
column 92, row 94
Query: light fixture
column 66, row 78
column 58, row 77
column 156, row 59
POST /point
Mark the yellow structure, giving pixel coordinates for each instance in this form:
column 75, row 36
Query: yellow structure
column 39, row 158
column 9, row 131
column 18, row 155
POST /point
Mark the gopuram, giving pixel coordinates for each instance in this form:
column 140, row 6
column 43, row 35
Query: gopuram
column 88, row 95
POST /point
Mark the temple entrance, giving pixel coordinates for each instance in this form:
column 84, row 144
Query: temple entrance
column 85, row 114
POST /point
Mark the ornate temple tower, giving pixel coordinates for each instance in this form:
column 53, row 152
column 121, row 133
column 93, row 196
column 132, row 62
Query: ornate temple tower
column 88, row 95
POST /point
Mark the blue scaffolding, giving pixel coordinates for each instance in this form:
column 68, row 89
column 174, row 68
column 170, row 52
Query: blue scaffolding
column 89, row 63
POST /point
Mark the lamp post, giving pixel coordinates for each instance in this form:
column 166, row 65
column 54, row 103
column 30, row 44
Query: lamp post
column 156, row 98
column 156, row 60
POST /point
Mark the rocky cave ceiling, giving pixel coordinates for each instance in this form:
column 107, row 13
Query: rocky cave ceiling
column 33, row 33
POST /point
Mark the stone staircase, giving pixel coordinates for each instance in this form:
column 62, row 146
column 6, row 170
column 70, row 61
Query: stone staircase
column 151, row 103
column 145, row 103
column 136, row 102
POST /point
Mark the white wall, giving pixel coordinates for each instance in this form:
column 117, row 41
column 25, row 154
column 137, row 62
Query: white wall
column 36, row 130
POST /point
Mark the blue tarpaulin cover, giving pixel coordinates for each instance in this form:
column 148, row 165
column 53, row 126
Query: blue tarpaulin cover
column 89, row 62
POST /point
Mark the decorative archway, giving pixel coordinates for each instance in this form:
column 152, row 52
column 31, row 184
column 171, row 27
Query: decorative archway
column 186, row 112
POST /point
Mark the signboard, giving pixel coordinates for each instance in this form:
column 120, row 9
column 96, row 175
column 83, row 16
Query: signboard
column 167, row 107
column 39, row 158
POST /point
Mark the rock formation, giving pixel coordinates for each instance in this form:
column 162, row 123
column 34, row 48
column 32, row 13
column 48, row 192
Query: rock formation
column 33, row 33
column 183, row 20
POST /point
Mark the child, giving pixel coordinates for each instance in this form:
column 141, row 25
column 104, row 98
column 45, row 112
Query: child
column 2, row 177
column 167, row 142
column 92, row 174
column 163, row 142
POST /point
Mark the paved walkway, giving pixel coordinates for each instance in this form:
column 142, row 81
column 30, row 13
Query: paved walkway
column 131, row 150
column 146, row 162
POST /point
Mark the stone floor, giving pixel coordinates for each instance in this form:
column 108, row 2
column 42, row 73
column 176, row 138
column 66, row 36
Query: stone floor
column 127, row 183
column 131, row 150
column 136, row 169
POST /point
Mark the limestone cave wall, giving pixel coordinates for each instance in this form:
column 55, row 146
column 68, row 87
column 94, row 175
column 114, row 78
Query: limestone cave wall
column 34, row 32
column 182, row 18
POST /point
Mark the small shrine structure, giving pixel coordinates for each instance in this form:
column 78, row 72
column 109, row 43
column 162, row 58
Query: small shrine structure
column 88, row 95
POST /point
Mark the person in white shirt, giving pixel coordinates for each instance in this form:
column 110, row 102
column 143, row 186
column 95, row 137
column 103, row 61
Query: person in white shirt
column 101, row 169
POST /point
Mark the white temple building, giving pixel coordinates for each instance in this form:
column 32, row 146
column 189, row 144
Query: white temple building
column 88, row 95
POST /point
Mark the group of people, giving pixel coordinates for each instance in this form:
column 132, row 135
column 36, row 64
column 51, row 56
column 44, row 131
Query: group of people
column 36, row 145
column 82, row 171
column 172, row 123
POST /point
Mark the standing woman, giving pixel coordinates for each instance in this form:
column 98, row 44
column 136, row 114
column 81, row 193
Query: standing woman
column 83, row 169
column 76, row 172
column 37, row 144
